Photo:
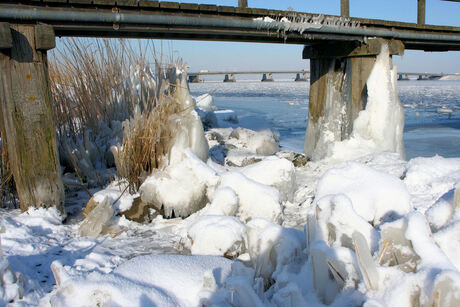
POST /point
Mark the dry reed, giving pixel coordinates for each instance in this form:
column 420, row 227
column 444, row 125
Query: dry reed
column 92, row 81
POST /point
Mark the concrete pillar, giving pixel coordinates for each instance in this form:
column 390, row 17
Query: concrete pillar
column 338, row 76
column 194, row 79
column 27, row 116
column 229, row 79
column 298, row 78
column 267, row 79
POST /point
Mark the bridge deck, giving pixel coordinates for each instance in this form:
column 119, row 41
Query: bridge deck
column 173, row 20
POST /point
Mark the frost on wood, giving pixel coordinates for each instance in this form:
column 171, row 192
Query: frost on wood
column 96, row 221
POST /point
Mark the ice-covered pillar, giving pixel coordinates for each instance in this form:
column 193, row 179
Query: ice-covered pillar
column 338, row 75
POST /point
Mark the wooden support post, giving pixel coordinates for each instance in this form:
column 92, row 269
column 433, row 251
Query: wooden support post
column 243, row 3
column 345, row 8
column 26, row 110
column 421, row 12
column 338, row 92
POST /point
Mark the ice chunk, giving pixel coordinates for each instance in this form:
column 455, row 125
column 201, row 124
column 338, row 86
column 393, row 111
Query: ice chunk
column 439, row 214
column 375, row 195
column 217, row 235
column 275, row 172
column 256, row 200
column 320, row 272
column 224, row 202
column 418, row 232
column 264, row 142
column 395, row 249
column 11, row 284
column 446, row 292
column 205, row 102
column 271, row 246
column 367, row 265
column 337, row 221
column 447, row 239
column 97, row 219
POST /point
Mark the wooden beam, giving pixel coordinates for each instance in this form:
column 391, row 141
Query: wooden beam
column 6, row 41
column 243, row 3
column 421, row 12
column 27, row 121
column 345, row 8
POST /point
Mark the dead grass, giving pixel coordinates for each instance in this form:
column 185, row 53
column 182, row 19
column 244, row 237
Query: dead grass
column 92, row 81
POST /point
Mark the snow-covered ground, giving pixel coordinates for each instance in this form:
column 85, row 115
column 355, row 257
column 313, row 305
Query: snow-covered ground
column 273, row 229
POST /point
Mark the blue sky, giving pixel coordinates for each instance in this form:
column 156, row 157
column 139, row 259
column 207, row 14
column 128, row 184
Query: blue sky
column 252, row 56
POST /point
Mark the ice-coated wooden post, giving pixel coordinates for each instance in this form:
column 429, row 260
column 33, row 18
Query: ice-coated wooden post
column 338, row 92
column 27, row 119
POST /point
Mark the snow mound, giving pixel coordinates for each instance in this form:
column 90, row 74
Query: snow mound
column 113, row 192
column 180, row 189
column 256, row 199
column 154, row 280
column 217, row 235
column 275, row 172
column 224, row 202
column 374, row 195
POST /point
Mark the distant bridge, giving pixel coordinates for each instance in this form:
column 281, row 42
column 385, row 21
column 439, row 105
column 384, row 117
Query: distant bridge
column 300, row 75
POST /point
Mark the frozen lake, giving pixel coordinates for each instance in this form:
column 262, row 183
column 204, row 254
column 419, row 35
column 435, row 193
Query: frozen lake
column 283, row 105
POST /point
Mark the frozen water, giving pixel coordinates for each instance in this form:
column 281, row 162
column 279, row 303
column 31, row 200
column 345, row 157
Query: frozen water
column 283, row 105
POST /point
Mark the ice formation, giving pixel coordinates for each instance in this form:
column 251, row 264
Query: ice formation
column 379, row 127
column 180, row 189
column 97, row 220
column 224, row 202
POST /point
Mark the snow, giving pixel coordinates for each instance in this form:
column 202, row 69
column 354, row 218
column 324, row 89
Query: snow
column 217, row 235
column 374, row 231
column 158, row 280
column 256, row 199
column 374, row 195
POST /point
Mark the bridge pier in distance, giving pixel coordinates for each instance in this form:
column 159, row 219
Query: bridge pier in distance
column 194, row 79
column 338, row 75
column 298, row 78
column 26, row 122
column 267, row 79
column 229, row 79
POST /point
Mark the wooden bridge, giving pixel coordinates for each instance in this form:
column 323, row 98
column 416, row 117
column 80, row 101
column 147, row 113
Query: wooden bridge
column 340, row 48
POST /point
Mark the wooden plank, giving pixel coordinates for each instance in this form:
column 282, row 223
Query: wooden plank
column 258, row 11
column 81, row 1
column 243, row 11
column 44, row 37
column 345, row 8
column 421, row 12
column 169, row 5
column 6, row 40
column 105, row 2
column 208, row 8
column 26, row 108
column 55, row 1
column 226, row 9
column 129, row 3
column 243, row 3
column 147, row 3
column 189, row 6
